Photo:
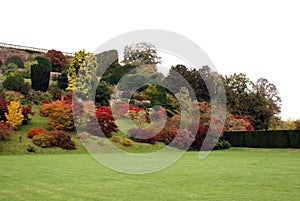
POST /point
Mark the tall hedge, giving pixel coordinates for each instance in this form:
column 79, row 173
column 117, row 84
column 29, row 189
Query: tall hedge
column 40, row 76
column 264, row 139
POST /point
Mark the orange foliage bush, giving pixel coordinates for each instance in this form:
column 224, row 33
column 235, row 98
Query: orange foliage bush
column 59, row 114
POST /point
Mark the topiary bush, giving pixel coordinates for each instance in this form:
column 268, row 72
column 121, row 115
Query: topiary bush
column 15, row 82
column 43, row 60
column 36, row 131
column 40, row 77
column 15, row 59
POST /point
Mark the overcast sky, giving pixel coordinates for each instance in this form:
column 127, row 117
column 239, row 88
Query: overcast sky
column 258, row 38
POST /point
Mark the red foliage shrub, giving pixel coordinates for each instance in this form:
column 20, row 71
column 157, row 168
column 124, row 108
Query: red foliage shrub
column 68, row 98
column 62, row 139
column 36, row 131
column 105, row 120
column 249, row 127
column 183, row 140
column 25, row 112
column 199, row 133
column 3, row 108
column 5, row 130
column 58, row 60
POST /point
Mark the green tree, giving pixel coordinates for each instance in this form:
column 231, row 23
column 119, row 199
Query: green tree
column 270, row 92
column 258, row 110
column 237, row 87
column 141, row 53
column 192, row 79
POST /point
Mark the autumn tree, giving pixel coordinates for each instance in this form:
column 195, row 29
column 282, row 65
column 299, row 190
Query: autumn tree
column 58, row 60
column 141, row 53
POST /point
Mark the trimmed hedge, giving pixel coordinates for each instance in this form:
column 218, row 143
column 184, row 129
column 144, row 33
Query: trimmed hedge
column 264, row 139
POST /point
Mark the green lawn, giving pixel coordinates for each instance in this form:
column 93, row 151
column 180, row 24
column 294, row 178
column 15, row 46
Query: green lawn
column 235, row 174
column 57, row 174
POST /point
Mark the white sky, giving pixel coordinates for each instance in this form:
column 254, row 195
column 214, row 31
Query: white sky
column 258, row 38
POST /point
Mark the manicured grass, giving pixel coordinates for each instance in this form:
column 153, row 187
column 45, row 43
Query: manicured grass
column 235, row 174
column 57, row 174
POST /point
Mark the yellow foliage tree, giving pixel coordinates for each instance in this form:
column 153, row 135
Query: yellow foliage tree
column 14, row 116
column 74, row 67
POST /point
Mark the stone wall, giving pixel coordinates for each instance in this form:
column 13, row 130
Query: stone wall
column 6, row 52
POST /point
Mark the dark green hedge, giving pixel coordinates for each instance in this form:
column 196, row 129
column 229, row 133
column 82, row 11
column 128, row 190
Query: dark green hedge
column 264, row 139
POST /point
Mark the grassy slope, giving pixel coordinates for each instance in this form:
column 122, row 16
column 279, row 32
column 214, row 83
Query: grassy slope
column 13, row 145
column 236, row 174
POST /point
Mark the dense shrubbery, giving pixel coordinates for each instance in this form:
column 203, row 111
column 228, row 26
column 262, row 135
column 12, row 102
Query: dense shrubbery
column 5, row 130
column 36, row 97
column 15, row 82
column 62, row 139
column 15, row 59
column 42, row 138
